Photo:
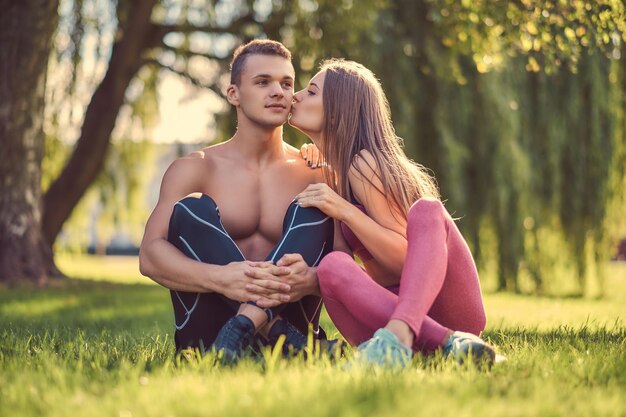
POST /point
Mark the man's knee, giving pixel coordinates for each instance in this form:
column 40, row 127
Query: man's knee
column 196, row 202
column 193, row 208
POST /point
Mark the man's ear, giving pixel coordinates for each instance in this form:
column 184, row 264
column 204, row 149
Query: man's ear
column 232, row 95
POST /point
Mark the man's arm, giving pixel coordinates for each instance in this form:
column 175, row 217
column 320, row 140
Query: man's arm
column 166, row 265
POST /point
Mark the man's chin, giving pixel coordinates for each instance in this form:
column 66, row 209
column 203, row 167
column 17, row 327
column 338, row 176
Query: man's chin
column 273, row 123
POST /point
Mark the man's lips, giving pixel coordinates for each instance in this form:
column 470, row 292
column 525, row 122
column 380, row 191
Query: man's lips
column 276, row 106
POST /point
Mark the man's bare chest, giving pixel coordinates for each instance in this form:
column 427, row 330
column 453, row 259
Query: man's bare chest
column 255, row 205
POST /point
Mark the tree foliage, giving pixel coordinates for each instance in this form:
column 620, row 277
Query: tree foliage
column 517, row 107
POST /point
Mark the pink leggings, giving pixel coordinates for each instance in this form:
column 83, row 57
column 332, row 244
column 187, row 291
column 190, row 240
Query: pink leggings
column 439, row 287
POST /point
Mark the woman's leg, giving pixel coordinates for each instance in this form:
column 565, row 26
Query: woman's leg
column 358, row 306
column 439, row 278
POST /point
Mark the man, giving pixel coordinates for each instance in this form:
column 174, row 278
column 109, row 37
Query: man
column 209, row 257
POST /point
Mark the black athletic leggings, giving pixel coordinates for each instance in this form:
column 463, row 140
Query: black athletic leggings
column 196, row 229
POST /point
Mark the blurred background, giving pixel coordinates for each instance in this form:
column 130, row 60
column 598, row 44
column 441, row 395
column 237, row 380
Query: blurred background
column 517, row 107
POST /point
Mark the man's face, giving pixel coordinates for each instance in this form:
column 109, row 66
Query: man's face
column 266, row 89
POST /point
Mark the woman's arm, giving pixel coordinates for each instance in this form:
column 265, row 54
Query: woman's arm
column 382, row 231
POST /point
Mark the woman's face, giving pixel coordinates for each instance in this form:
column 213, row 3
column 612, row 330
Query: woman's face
column 307, row 110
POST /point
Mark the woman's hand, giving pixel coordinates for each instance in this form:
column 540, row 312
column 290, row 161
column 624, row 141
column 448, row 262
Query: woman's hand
column 311, row 154
column 324, row 198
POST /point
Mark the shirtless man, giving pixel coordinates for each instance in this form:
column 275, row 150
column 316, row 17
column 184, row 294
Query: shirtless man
column 224, row 285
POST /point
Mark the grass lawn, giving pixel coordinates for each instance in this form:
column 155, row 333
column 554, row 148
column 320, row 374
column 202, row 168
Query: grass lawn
column 102, row 346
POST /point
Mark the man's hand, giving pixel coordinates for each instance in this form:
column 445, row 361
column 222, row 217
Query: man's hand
column 238, row 278
column 300, row 280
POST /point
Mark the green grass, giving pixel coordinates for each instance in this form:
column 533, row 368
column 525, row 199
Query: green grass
column 102, row 347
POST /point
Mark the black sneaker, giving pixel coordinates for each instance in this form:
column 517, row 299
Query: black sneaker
column 295, row 341
column 234, row 338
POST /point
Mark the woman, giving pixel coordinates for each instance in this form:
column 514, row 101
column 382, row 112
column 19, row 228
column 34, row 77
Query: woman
column 418, row 288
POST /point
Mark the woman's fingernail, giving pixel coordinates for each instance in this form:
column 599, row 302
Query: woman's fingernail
column 314, row 166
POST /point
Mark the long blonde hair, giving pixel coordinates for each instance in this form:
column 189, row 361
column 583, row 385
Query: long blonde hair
column 356, row 118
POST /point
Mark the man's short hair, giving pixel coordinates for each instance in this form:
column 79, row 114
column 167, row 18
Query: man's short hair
column 255, row 47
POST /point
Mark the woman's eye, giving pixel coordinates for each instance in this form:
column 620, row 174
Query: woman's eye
column 311, row 93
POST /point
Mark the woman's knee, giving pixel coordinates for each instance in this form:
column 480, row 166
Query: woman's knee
column 426, row 211
column 425, row 205
column 333, row 271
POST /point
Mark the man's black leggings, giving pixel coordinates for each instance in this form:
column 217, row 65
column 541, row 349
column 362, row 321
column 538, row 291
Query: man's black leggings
column 196, row 229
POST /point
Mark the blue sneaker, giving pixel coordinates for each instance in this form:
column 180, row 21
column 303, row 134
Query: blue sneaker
column 384, row 349
column 461, row 345
column 234, row 338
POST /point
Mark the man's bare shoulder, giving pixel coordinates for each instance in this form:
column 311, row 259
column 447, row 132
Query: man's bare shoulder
column 202, row 159
column 186, row 171
column 189, row 164
column 190, row 174
column 297, row 163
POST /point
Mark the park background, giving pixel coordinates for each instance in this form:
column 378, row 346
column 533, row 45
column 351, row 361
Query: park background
column 517, row 107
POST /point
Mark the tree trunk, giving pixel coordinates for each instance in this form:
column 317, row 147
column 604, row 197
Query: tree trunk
column 26, row 31
column 87, row 159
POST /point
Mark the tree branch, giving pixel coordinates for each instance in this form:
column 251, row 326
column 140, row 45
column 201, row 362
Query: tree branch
column 186, row 53
column 235, row 27
column 184, row 74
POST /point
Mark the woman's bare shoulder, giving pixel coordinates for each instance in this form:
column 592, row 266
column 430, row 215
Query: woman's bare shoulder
column 364, row 164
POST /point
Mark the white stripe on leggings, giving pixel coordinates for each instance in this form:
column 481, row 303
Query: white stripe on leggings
column 195, row 304
column 212, row 226
column 292, row 227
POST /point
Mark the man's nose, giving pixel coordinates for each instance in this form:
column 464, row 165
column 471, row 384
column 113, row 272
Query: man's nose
column 277, row 90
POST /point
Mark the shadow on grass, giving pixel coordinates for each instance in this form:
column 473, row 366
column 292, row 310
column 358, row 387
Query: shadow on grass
column 139, row 312
column 91, row 306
